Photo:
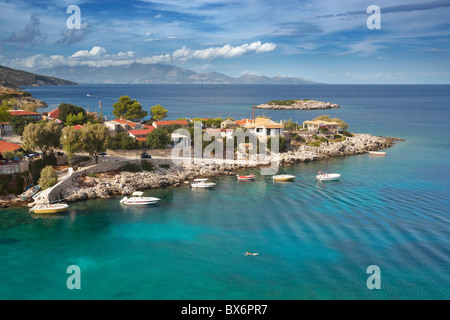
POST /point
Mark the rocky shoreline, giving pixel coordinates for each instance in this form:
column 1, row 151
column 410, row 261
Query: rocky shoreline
column 305, row 104
column 125, row 183
column 118, row 182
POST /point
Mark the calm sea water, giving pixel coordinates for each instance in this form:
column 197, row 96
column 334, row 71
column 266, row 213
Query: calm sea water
column 315, row 240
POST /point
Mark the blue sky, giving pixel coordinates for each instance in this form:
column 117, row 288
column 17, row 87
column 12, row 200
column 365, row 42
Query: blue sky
column 321, row 40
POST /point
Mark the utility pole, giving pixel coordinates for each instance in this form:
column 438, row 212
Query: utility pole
column 101, row 110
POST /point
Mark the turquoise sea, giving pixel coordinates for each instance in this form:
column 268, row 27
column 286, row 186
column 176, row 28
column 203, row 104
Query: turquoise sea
column 315, row 240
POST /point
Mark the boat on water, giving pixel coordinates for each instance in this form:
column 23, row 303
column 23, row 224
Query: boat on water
column 283, row 177
column 322, row 176
column 246, row 178
column 49, row 208
column 30, row 192
column 377, row 153
column 202, row 183
column 138, row 200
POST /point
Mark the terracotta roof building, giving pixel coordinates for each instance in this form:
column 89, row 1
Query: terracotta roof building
column 24, row 113
column 8, row 146
column 157, row 124
column 141, row 134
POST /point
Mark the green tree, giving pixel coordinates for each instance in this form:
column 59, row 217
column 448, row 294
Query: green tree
column 124, row 141
column 70, row 139
column 158, row 139
column 49, row 177
column 158, row 112
column 43, row 136
column 65, row 109
column 4, row 107
column 74, row 119
column 94, row 139
column 18, row 124
column 9, row 155
column 128, row 109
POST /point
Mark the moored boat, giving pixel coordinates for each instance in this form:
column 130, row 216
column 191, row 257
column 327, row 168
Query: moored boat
column 328, row 176
column 202, row 183
column 30, row 192
column 283, row 177
column 138, row 200
column 377, row 153
column 49, row 208
column 246, row 178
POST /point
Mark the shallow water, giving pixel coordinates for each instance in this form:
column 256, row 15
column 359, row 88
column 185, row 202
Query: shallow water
column 315, row 240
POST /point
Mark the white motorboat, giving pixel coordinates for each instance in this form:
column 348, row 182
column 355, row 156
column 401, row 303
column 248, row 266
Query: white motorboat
column 138, row 200
column 377, row 153
column 283, row 177
column 202, row 183
column 50, row 208
column 328, row 176
column 30, row 192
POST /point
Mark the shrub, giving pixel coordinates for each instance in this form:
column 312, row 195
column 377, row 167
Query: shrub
column 147, row 166
column 132, row 167
column 337, row 136
column 124, row 141
column 165, row 166
column 314, row 143
column 346, row 133
column 49, row 177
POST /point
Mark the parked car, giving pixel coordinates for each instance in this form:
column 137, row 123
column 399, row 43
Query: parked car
column 145, row 155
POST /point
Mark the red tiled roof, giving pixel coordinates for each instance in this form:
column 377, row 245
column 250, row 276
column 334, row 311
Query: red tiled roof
column 7, row 146
column 167, row 123
column 78, row 127
column 142, row 132
column 243, row 121
column 54, row 113
column 123, row 121
column 23, row 113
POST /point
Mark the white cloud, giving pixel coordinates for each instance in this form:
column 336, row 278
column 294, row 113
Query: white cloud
column 225, row 52
column 99, row 57
column 95, row 52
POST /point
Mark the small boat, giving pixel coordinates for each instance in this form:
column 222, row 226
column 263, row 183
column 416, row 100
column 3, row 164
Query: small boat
column 49, row 208
column 138, row 200
column 29, row 193
column 328, row 176
column 377, row 153
column 246, row 178
column 202, row 183
column 283, row 177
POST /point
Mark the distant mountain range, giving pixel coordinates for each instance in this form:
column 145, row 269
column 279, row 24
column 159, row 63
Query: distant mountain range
column 15, row 78
column 158, row 74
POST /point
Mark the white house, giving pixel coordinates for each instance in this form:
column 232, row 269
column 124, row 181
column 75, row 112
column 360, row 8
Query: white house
column 264, row 127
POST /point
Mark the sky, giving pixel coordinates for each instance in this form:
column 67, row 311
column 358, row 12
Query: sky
column 321, row 40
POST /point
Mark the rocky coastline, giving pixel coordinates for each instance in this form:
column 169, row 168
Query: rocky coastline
column 118, row 182
column 305, row 104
